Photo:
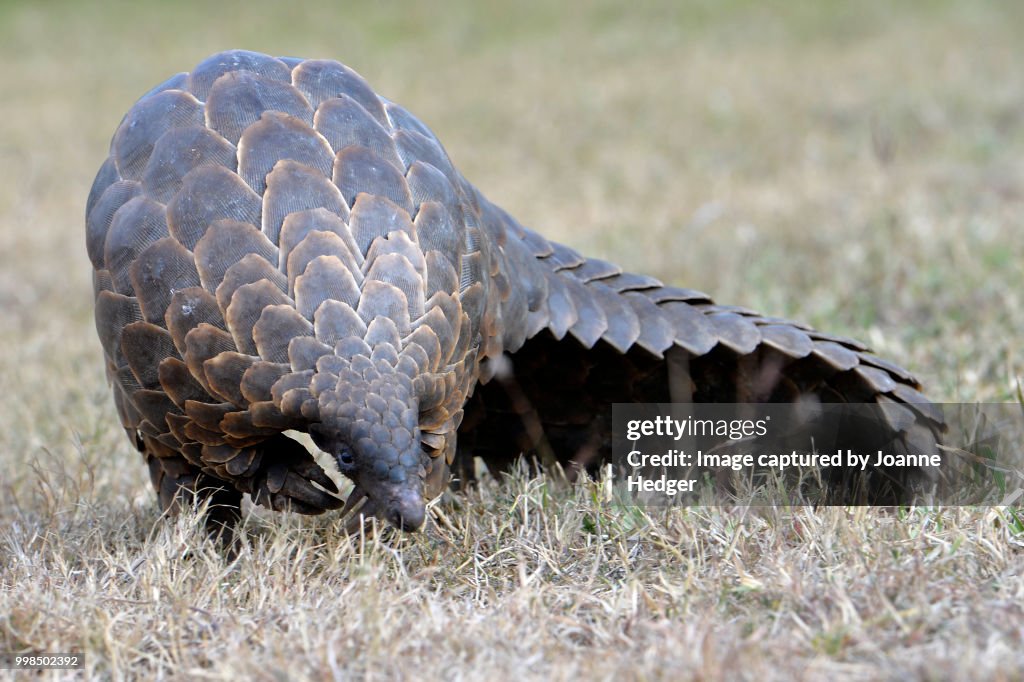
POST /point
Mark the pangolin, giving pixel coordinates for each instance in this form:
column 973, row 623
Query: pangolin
column 277, row 247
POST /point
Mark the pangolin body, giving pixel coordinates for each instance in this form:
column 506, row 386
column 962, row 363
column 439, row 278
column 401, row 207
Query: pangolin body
column 278, row 247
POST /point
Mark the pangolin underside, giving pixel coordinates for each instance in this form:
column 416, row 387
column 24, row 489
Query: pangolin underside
column 276, row 247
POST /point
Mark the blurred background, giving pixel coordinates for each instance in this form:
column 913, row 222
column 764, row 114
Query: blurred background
column 854, row 165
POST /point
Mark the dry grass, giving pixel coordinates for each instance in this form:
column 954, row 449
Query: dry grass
column 859, row 169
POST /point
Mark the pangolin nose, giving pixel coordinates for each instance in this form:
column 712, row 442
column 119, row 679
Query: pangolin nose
column 407, row 515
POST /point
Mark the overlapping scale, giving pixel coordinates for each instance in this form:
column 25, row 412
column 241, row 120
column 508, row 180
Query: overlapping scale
column 239, row 98
column 179, row 151
column 147, row 121
column 276, row 136
column 209, row 194
column 293, row 187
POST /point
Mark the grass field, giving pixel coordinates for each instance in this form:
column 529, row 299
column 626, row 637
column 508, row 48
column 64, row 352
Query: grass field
column 859, row 166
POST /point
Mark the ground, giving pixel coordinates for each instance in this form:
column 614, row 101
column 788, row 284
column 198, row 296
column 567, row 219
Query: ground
column 858, row 166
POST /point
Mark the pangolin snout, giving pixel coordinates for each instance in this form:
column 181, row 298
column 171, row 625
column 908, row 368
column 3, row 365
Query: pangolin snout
column 406, row 511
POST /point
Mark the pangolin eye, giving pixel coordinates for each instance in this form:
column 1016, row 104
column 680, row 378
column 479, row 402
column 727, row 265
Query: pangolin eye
column 345, row 457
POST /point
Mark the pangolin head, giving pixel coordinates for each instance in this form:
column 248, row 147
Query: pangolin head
column 369, row 424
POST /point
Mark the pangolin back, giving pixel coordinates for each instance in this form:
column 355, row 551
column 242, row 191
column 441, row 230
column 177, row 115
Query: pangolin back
column 278, row 247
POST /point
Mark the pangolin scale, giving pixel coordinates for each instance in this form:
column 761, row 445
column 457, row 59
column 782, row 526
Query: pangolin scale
column 276, row 247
